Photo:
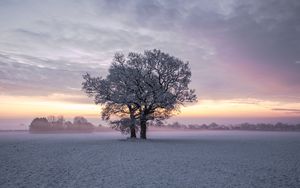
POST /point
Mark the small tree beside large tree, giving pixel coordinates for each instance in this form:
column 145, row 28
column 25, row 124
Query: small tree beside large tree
column 141, row 87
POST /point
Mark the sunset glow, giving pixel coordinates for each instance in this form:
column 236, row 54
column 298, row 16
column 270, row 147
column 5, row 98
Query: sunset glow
column 22, row 106
column 244, row 61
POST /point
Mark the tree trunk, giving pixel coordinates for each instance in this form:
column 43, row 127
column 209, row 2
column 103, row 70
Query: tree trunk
column 143, row 129
column 132, row 131
column 132, row 126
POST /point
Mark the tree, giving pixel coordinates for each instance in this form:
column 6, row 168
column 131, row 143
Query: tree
column 39, row 124
column 79, row 120
column 80, row 123
column 150, row 86
column 56, row 122
column 116, row 96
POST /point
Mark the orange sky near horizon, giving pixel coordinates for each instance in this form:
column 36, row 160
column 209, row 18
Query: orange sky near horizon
column 66, row 105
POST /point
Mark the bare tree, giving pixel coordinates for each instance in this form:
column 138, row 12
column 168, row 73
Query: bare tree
column 116, row 96
column 149, row 86
column 79, row 120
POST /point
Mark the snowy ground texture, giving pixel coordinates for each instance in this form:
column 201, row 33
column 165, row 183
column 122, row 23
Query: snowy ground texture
column 189, row 159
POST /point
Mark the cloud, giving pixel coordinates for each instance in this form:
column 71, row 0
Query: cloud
column 288, row 110
column 236, row 49
column 26, row 75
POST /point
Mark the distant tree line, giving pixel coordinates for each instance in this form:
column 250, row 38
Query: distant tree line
column 243, row 126
column 58, row 123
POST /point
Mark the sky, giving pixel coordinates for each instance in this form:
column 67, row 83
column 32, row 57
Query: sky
column 244, row 55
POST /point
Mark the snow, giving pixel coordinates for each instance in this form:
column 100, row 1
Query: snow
column 175, row 159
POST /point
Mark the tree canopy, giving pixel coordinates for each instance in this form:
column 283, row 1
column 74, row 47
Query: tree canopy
column 140, row 88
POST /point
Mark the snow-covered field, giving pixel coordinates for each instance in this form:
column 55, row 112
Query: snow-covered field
column 175, row 159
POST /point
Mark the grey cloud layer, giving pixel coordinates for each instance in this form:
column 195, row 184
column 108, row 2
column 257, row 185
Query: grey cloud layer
column 30, row 76
column 44, row 41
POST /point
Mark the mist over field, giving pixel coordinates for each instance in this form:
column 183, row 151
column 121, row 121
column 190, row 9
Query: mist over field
column 23, row 123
